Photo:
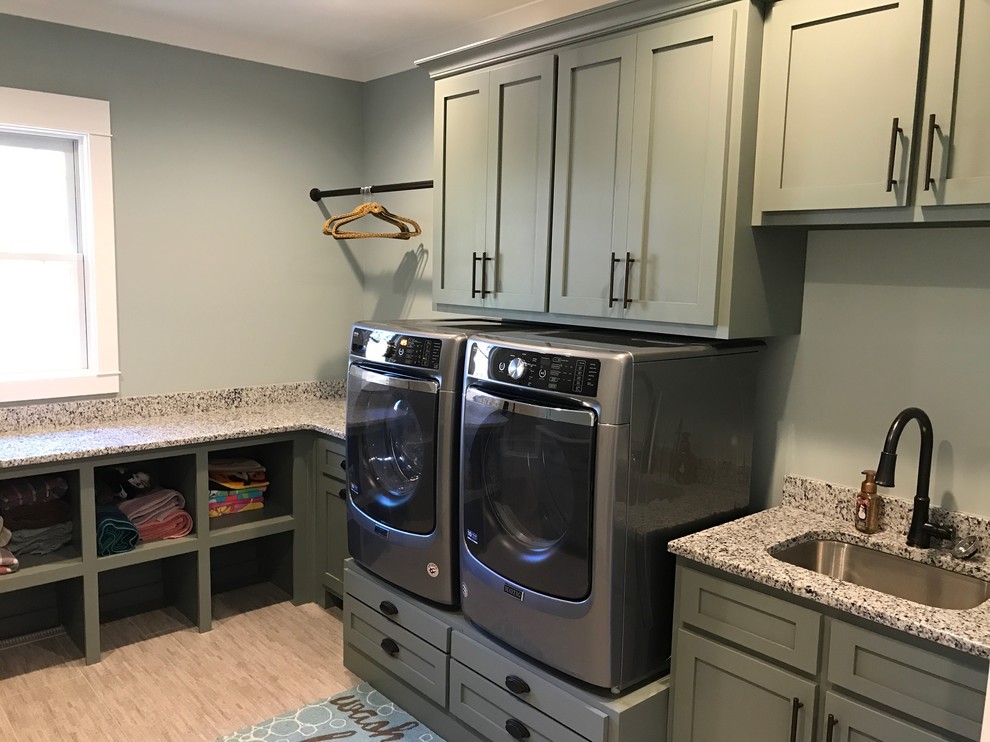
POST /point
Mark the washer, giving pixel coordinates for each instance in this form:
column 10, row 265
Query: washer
column 404, row 390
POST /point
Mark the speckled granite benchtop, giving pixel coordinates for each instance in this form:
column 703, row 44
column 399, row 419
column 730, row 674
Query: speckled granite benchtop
column 40, row 434
column 811, row 509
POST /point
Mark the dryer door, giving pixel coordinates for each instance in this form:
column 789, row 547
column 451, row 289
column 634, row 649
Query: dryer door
column 527, row 491
column 391, row 436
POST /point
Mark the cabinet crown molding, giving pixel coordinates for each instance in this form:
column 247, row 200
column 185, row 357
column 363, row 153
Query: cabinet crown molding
column 616, row 16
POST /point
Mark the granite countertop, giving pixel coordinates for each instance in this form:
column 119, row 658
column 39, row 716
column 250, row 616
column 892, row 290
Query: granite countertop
column 52, row 437
column 811, row 509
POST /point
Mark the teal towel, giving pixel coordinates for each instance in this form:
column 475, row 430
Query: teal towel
column 114, row 533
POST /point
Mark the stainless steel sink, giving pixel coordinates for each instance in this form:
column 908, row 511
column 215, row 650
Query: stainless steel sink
column 886, row 573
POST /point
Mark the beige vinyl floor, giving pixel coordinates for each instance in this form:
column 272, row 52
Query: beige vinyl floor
column 160, row 679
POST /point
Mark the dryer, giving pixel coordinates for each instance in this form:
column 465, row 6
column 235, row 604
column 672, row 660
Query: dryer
column 582, row 455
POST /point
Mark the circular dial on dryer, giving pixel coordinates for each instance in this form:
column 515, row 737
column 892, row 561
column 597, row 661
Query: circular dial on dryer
column 517, row 368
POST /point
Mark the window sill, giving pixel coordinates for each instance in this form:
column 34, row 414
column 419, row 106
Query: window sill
column 59, row 387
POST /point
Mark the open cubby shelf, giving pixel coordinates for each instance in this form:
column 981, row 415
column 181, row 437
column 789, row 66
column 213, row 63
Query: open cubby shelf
column 76, row 590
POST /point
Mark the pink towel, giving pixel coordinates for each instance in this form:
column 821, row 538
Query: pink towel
column 8, row 562
column 157, row 504
column 175, row 524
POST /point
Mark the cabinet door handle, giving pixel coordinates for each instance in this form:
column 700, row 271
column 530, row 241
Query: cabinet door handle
column 516, row 684
column 832, row 721
column 795, row 706
column 390, row 647
column 626, row 301
column 894, row 131
column 611, row 281
column 484, row 274
column 474, row 274
column 932, row 126
column 388, row 608
column 516, row 729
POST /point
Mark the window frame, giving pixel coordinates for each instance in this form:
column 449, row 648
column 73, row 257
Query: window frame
column 87, row 122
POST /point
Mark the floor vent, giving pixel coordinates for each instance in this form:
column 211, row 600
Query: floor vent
column 34, row 636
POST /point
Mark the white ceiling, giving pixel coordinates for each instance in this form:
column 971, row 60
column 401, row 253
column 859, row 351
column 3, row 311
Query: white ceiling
column 353, row 39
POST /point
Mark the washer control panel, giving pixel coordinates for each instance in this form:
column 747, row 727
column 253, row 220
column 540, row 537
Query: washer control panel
column 394, row 347
column 549, row 371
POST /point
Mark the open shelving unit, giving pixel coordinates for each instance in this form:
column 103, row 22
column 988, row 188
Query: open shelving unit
column 75, row 590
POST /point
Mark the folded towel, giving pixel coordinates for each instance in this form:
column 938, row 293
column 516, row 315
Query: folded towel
column 236, row 507
column 4, row 535
column 114, row 533
column 38, row 515
column 114, row 483
column 40, row 540
column 247, row 493
column 8, row 562
column 27, row 490
column 175, row 524
column 237, row 472
column 148, row 507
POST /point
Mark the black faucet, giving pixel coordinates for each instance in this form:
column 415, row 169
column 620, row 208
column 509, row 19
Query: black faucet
column 921, row 531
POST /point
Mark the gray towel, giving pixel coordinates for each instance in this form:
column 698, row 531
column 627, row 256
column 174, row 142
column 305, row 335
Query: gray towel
column 40, row 540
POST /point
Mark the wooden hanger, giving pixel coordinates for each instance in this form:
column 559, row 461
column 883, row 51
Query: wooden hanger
column 333, row 224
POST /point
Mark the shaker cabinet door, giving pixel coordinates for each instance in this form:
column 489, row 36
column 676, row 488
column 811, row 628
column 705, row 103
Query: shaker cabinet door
column 520, row 162
column 955, row 150
column 722, row 694
column 838, row 96
column 461, row 180
column 591, row 184
column 680, row 142
column 844, row 720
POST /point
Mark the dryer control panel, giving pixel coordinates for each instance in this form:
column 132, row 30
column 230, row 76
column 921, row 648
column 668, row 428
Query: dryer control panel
column 548, row 371
column 397, row 348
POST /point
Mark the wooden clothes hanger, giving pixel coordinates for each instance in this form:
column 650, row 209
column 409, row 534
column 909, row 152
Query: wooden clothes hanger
column 333, row 224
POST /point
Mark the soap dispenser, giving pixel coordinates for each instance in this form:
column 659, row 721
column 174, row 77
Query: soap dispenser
column 868, row 504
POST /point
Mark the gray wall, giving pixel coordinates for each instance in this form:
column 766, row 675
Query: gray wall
column 224, row 278
column 398, row 147
column 893, row 318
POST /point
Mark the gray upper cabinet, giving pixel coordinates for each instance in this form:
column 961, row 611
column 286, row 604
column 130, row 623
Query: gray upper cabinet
column 845, row 138
column 955, row 159
column 680, row 147
column 652, row 159
column 838, row 103
column 591, row 186
column 493, row 158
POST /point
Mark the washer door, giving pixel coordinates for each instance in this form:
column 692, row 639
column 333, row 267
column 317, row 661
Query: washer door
column 527, row 490
column 391, row 448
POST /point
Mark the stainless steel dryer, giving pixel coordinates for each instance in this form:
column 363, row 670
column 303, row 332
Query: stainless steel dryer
column 403, row 413
column 582, row 455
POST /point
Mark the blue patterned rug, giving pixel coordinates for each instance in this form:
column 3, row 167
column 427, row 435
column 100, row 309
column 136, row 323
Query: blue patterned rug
column 358, row 714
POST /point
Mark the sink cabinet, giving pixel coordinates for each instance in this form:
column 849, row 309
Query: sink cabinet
column 795, row 670
column 892, row 130
column 650, row 117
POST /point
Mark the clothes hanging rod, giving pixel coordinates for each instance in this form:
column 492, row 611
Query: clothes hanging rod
column 316, row 194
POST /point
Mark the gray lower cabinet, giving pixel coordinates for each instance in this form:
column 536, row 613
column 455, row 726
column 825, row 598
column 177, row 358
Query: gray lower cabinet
column 725, row 694
column 330, row 518
column 751, row 663
column 74, row 589
column 447, row 674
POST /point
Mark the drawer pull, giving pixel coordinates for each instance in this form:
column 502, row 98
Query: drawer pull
column 516, row 684
column 516, row 729
column 390, row 647
column 388, row 608
column 795, row 706
column 832, row 721
column 343, row 464
column 342, row 494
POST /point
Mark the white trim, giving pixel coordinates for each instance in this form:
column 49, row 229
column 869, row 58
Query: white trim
column 88, row 122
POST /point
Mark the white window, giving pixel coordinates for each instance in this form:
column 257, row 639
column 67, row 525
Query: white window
column 58, row 304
